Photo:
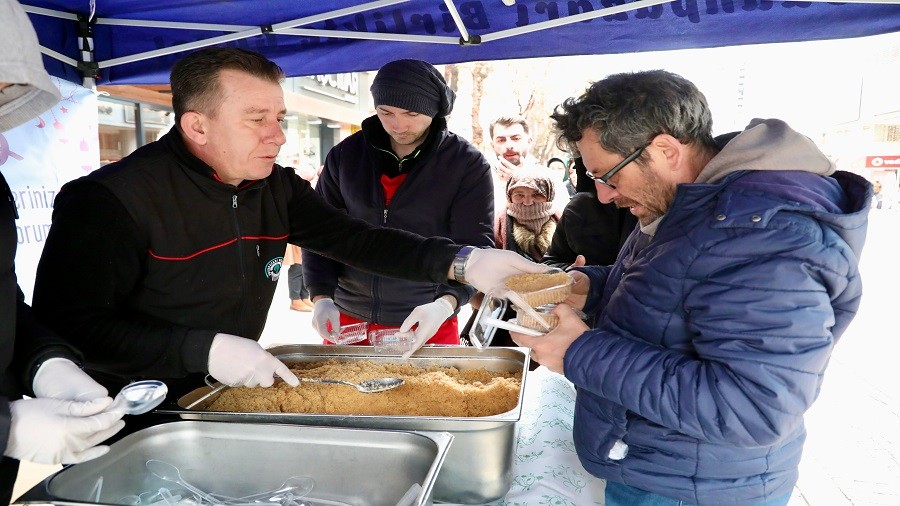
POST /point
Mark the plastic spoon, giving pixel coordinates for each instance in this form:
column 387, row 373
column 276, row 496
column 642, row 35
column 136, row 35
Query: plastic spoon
column 295, row 486
column 168, row 472
column 367, row 386
column 515, row 327
column 521, row 305
column 139, row 397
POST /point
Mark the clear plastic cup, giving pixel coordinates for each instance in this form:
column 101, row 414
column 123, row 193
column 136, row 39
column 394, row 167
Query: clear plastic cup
column 352, row 333
column 391, row 341
column 527, row 320
column 541, row 289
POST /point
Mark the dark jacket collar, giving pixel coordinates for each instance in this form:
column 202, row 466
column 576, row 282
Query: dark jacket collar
column 175, row 142
column 384, row 158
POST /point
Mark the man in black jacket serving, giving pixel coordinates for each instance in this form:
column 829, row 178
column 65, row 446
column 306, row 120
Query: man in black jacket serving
column 168, row 259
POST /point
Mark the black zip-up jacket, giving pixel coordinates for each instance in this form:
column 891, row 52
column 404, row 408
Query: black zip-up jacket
column 589, row 228
column 150, row 257
column 447, row 192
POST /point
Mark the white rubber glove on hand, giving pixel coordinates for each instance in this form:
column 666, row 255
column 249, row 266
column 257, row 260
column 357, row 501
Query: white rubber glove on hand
column 325, row 313
column 236, row 361
column 487, row 268
column 429, row 317
column 54, row 431
column 60, row 378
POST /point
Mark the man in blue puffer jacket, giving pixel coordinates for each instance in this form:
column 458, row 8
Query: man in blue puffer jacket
column 716, row 323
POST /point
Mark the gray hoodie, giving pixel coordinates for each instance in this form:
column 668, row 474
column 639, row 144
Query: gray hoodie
column 32, row 92
column 767, row 144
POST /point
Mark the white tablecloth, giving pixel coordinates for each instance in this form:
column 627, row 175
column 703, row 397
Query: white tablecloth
column 545, row 469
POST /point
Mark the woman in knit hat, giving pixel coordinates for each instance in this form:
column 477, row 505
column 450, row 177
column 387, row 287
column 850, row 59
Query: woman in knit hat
column 528, row 225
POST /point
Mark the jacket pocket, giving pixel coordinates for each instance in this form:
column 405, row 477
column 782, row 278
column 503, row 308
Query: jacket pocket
column 599, row 426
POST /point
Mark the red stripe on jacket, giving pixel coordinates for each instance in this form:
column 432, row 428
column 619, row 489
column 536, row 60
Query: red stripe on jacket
column 226, row 243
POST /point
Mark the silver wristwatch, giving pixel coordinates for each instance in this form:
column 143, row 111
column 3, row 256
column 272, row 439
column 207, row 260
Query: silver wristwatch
column 459, row 263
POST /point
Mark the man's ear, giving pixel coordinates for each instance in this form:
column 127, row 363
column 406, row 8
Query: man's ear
column 671, row 149
column 193, row 125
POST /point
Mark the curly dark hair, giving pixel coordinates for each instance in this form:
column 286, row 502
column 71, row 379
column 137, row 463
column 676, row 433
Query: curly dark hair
column 628, row 110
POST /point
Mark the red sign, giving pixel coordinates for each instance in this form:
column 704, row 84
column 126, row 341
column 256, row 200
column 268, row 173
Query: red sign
column 883, row 162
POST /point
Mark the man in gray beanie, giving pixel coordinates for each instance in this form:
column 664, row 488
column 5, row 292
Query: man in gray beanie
column 64, row 419
column 404, row 170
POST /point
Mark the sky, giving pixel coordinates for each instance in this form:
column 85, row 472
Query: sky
column 811, row 85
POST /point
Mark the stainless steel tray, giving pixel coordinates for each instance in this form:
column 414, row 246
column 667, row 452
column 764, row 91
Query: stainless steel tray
column 478, row 468
column 357, row 467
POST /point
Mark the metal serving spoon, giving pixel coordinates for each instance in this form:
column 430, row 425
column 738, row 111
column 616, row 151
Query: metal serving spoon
column 368, row 386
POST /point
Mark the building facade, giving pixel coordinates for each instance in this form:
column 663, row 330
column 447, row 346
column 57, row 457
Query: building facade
column 322, row 110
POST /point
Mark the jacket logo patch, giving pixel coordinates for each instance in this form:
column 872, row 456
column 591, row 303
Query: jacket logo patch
column 273, row 268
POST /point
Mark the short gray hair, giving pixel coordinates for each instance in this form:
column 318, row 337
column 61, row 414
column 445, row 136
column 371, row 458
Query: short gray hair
column 195, row 78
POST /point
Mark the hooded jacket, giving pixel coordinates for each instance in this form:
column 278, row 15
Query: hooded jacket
column 149, row 258
column 447, row 193
column 716, row 323
column 588, row 227
column 24, row 344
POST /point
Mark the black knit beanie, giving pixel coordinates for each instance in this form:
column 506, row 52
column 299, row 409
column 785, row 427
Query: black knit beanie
column 413, row 85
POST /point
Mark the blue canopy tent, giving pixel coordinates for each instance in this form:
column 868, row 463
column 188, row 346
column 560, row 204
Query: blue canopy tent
column 137, row 41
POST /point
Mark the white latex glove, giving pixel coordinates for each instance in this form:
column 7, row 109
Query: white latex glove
column 60, row 378
column 429, row 317
column 54, row 431
column 236, row 361
column 325, row 313
column 487, row 268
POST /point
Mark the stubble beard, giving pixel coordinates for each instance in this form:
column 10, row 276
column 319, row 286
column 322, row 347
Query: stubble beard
column 655, row 197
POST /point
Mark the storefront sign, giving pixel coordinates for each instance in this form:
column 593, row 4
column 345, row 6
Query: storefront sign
column 883, row 162
column 340, row 86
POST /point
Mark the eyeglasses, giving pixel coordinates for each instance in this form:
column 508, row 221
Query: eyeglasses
column 619, row 166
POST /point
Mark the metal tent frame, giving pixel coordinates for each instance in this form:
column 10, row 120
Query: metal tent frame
column 90, row 63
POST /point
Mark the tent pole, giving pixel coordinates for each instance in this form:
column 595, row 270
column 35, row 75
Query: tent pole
column 568, row 20
column 180, row 47
column 464, row 34
column 87, row 63
column 53, row 14
column 395, row 37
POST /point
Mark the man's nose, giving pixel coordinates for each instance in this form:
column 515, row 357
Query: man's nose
column 400, row 126
column 605, row 194
column 276, row 134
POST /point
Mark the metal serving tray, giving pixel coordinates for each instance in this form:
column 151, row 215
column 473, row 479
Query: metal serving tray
column 356, row 467
column 478, row 468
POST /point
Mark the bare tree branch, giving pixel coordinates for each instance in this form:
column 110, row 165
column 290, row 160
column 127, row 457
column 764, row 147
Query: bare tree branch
column 451, row 75
column 480, row 72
